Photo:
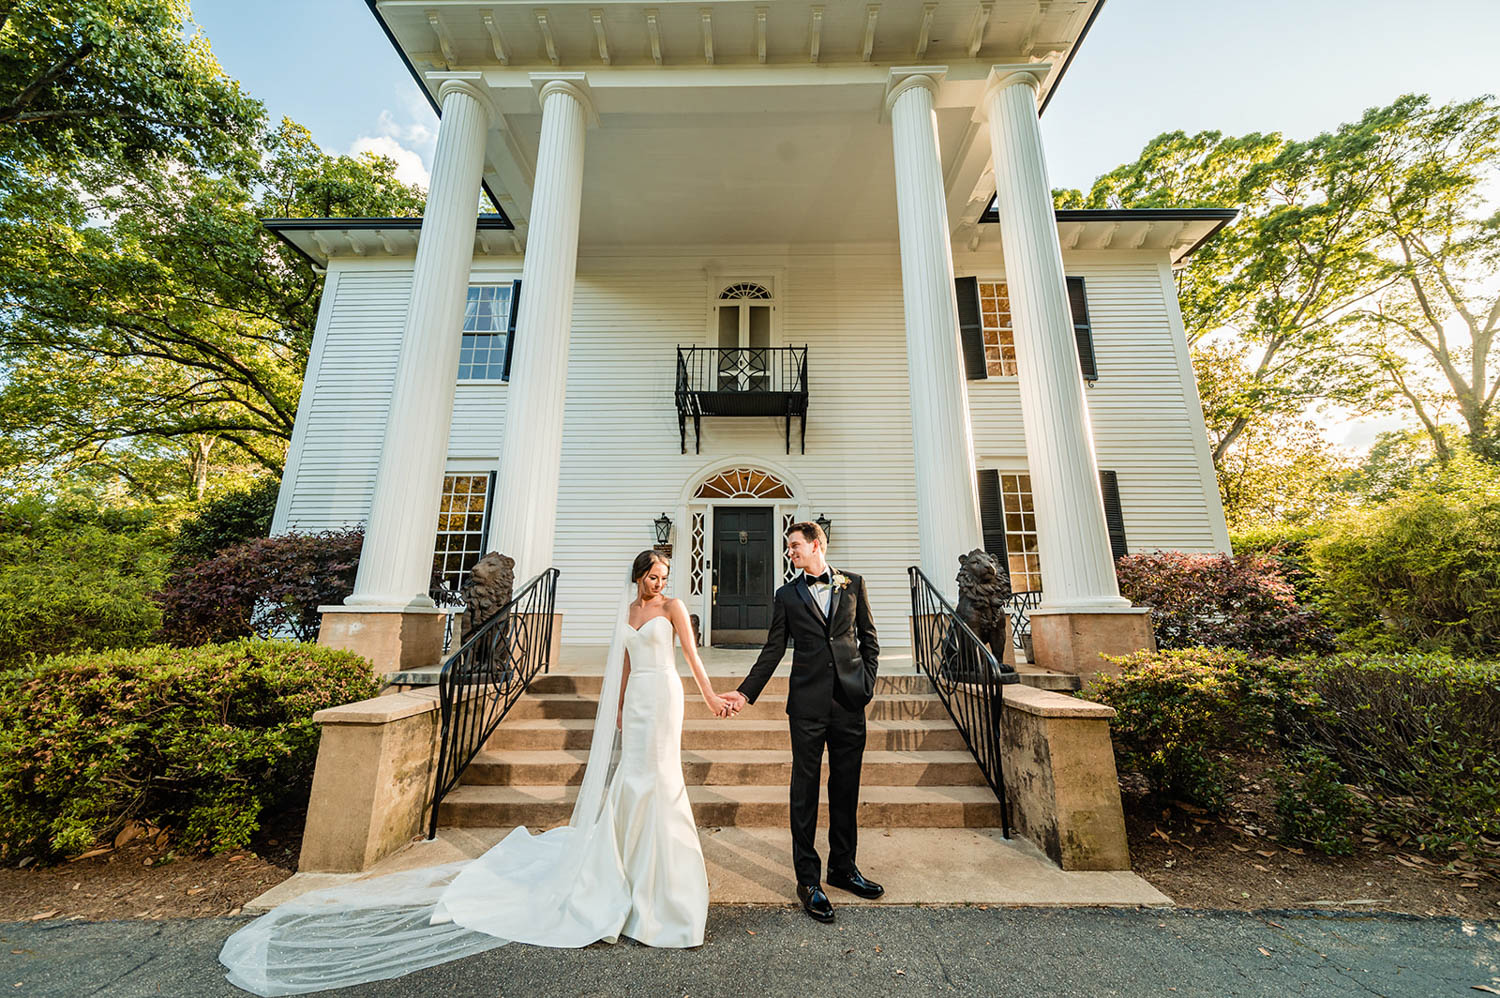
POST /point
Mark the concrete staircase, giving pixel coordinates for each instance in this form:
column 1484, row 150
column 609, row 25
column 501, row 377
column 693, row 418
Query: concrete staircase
column 917, row 772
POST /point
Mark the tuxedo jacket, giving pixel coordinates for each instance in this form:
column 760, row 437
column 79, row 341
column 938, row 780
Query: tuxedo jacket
column 835, row 657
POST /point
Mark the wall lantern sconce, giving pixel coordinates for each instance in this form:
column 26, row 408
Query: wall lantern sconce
column 663, row 526
column 827, row 525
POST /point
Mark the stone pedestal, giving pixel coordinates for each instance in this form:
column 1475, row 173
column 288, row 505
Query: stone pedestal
column 1072, row 642
column 394, row 640
column 377, row 764
column 1064, row 793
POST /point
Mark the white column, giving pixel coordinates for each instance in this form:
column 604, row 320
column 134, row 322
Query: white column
column 1077, row 567
column 942, row 438
column 531, row 450
column 395, row 564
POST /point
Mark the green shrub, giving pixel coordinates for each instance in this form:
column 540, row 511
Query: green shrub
column 1315, row 807
column 1180, row 713
column 1418, row 734
column 200, row 741
column 1422, row 570
column 232, row 518
column 74, row 578
column 1289, row 546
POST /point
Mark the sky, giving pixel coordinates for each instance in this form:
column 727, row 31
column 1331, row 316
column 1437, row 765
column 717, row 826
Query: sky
column 1298, row 67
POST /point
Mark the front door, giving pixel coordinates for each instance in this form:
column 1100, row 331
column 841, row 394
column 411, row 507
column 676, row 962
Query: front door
column 744, row 574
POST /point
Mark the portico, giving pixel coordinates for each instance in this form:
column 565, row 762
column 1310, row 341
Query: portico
column 704, row 134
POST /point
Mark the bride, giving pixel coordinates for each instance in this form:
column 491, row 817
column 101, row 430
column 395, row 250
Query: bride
column 628, row 863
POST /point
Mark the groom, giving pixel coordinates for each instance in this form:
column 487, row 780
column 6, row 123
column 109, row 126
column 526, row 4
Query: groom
column 827, row 616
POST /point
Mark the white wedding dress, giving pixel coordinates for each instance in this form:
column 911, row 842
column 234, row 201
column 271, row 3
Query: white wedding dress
column 628, row 863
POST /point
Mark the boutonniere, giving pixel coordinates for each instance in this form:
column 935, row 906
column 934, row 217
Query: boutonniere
column 840, row 581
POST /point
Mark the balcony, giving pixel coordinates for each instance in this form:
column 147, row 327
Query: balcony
column 741, row 381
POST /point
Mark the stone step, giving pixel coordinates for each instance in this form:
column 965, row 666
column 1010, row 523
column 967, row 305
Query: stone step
column 733, row 767
column 906, row 682
column 737, row 733
column 469, row 806
column 564, row 705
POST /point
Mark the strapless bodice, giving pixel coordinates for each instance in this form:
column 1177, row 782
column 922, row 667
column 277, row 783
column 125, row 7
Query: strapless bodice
column 650, row 645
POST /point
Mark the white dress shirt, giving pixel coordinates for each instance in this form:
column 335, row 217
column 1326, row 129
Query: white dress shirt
column 822, row 593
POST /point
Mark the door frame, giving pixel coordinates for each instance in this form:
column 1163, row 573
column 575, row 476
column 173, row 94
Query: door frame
column 796, row 507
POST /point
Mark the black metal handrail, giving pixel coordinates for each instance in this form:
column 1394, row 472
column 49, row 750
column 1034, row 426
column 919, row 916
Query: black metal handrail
column 451, row 602
column 967, row 677
column 489, row 672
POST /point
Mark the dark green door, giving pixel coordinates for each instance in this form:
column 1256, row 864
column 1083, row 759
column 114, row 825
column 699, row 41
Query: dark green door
column 744, row 574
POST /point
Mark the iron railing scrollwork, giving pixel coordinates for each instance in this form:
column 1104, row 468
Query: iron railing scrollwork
column 967, row 677
column 1019, row 606
column 489, row 672
column 741, row 381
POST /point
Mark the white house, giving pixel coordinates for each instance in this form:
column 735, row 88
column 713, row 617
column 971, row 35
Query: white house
column 750, row 262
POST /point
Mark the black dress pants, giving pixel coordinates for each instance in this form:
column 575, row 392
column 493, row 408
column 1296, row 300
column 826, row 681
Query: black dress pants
column 842, row 731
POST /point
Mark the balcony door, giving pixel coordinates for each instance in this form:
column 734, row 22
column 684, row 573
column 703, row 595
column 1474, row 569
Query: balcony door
column 744, row 336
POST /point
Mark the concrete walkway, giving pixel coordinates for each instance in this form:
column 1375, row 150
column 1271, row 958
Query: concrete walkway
column 753, row 866
column 773, row 952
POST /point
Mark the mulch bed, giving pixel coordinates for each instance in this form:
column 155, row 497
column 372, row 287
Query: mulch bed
column 1236, row 862
column 1197, row 861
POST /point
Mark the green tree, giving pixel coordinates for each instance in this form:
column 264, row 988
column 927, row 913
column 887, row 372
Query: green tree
column 1433, row 330
column 118, row 80
column 178, row 326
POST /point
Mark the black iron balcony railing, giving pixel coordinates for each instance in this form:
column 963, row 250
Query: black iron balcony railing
column 967, row 677
column 741, row 381
column 488, row 673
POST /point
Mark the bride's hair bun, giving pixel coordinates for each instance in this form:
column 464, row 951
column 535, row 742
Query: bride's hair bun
column 644, row 561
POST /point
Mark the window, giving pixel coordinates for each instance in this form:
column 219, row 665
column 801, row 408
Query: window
column 485, row 354
column 1020, row 533
column 742, row 334
column 999, row 335
column 463, row 524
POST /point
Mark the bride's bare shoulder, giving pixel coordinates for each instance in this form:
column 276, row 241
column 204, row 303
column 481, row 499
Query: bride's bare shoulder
column 676, row 606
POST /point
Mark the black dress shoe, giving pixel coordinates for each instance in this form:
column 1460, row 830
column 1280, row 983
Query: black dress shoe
column 815, row 902
column 855, row 883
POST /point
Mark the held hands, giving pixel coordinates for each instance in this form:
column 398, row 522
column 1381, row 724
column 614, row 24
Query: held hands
column 734, row 701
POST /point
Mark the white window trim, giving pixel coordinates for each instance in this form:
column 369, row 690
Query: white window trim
column 720, row 281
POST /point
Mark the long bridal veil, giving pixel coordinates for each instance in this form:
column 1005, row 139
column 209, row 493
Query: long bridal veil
column 541, row 889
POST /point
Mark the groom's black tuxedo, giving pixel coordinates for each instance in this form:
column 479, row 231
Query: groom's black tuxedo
column 833, row 676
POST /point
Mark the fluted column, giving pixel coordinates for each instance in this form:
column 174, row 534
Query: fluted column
column 395, row 564
column 1077, row 567
column 531, row 450
column 942, row 438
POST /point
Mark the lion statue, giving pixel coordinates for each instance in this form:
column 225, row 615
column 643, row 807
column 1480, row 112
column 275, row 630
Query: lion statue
column 487, row 589
column 983, row 589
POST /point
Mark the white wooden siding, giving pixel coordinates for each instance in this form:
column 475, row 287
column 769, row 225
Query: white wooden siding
column 621, row 462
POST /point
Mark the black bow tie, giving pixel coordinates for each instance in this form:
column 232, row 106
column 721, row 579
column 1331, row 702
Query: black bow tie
column 826, row 578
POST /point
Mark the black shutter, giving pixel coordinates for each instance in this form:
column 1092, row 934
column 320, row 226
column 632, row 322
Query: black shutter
column 1114, row 518
column 1078, row 303
column 970, row 327
column 510, row 330
column 992, row 516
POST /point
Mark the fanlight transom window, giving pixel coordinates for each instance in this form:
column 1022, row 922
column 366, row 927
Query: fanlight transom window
column 743, row 483
column 745, row 290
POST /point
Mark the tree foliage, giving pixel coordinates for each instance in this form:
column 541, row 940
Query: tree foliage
column 111, row 80
column 179, row 325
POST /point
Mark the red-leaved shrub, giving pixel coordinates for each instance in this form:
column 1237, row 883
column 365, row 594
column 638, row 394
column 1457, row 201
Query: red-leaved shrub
column 1223, row 601
column 267, row 587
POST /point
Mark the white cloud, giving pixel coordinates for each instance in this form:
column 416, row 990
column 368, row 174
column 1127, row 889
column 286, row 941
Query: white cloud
column 410, row 142
column 409, row 166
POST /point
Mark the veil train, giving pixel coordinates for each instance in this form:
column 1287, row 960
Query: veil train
column 546, row 889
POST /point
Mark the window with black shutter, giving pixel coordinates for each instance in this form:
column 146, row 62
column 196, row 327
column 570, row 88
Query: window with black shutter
column 510, row 333
column 970, row 327
column 992, row 516
column 1114, row 517
column 1078, row 304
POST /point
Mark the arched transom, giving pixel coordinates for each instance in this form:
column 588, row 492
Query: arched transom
column 743, row 483
column 745, row 290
